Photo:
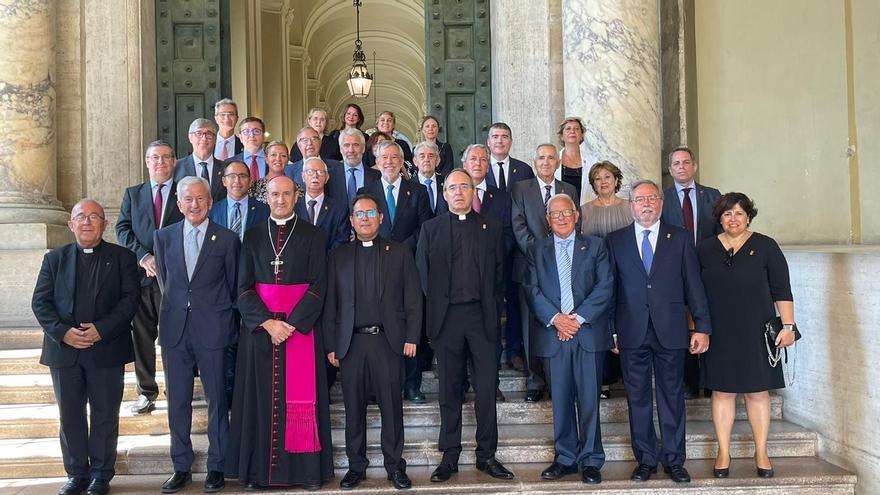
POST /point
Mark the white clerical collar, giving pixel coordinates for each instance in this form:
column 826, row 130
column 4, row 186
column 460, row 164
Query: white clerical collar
column 367, row 243
column 284, row 220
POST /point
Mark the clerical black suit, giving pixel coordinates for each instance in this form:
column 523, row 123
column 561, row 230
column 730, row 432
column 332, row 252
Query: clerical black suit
column 460, row 270
column 75, row 287
column 256, row 450
column 373, row 285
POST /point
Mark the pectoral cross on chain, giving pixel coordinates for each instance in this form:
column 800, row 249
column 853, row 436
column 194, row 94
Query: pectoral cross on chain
column 276, row 264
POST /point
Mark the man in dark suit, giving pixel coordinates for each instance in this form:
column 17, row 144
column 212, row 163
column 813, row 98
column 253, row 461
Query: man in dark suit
column 689, row 205
column 460, row 270
column 252, row 132
column 504, row 170
column 318, row 208
column 346, row 180
column 656, row 274
column 325, row 147
column 248, row 213
column 571, row 288
column 226, row 116
column 372, row 319
column 495, row 203
column 404, row 205
column 529, row 222
column 201, row 163
column 146, row 208
column 197, row 267
column 426, row 157
column 307, row 142
column 85, row 296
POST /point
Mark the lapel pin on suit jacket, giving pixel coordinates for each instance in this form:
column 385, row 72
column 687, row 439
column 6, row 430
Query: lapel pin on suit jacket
column 407, row 193
column 583, row 248
column 214, row 237
column 387, row 248
column 484, row 226
column 669, row 236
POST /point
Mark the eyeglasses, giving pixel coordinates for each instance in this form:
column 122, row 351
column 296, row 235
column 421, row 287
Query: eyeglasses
column 458, row 187
column 226, row 114
column 253, row 131
column 361, row 214
column 203, row 135
column 652, row 199
column 160, row 158
column 306, row 139
column 240, row 177
column 560, row 213
column 94, row 218
column 315, row 173
column 729, row 260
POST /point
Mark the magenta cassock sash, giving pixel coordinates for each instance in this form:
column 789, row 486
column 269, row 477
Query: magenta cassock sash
column 301, row 432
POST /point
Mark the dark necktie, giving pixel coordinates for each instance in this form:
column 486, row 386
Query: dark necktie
column 352, row 185
column 430, row 194
column 235, row 226
column 254, row 169
column 157, row 206
column 687, row 209
column 313, row 218
column 502, row 183
column 205, row 175
column 546, row 195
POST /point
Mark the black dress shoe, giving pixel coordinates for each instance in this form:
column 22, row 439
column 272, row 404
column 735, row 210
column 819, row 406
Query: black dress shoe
column 74, row 486
column 254, row 487
column 143, row 405
column 557, row 471
column 765, row 473
column 311, row 487
column 352, row 479
column 533, row 396
column 443, row 472
column 177, row 482
column 495, row 469
column 605, row 394
column 400, row 480
column 214, row 481
column 415, row 396
column 643, row 472
column 677, row 473
column 98, row 487
column 591, row 475
column 499, row 395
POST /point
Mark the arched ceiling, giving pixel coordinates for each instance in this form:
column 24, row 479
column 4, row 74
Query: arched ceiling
column 394, row 29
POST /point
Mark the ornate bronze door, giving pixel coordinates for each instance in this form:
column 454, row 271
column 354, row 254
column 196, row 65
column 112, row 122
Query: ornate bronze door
column 458, row 69
column 192, row 64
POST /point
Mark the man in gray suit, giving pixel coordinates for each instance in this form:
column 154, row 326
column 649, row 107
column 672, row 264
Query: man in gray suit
column 529, row 219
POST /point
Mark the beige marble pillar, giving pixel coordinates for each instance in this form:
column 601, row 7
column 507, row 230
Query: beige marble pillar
column 611, row 67
column 27, row 114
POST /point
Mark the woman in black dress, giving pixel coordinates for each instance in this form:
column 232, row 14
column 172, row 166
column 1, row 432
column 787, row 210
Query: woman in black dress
column 352, row 116
column 747, row 283
column 430, row 129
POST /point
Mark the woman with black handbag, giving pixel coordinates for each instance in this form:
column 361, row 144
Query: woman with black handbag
column 747, row 284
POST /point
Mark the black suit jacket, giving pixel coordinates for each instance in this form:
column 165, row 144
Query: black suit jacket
column 237, row 147
column 135, row 226
column 434, row 261
column 411, row 212
column 400, row 298
column 529, row 219
column 705, row 222
column 332, row 220
column 517, row 170
column 115, row 305
column 336, row 188
column 496, row 204
column 186, row 166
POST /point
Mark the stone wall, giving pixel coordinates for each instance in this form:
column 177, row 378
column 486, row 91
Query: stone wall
column 835, row 392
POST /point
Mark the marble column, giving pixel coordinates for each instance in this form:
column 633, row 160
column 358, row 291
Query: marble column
column 27, row 115
column 611, row 68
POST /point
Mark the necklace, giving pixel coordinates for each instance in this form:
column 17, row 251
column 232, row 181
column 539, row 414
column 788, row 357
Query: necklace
column 277, row 263
column 730, row 240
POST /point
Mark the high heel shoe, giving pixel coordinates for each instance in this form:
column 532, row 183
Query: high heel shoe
column 765, row 473
column 722, row 472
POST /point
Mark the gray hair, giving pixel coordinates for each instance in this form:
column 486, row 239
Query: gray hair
column 304, row 129
column 225, row 101
column 470, row 148
column 426, row 144
column 560, row 196
column 191, row 180
column 459, row 170
column 551, row 145
column 642, row 182
column 314, row 159
column 158, row 144
column 202, row 124
column 351, row 131
column 387, row 144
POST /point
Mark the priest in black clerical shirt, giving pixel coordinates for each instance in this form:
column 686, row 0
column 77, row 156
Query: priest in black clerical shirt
column 86, row 295
column 369, row 339
column 459, row 258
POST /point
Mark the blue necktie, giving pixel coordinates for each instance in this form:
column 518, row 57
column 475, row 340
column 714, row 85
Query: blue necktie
column 647, row 251
column 392, row 207
column 430, row 194
column 567, row 299
column 352, row 185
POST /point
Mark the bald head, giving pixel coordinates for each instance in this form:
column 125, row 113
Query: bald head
column 281, row 196
column 87, row 223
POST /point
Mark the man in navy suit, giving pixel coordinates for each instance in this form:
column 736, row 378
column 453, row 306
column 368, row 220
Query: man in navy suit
column 226, row 116
column 308, row 143
column 318, row 208
column 248, row 212
column 426, row 157
column 656, row 274
column 201, row 163
column 197, row 267
column 252, row 132
column 504, row 170
column 570, row 288
column 146, row 208
column 495, row 203
column 689, row 205
column 346, row 180
column 84, row 298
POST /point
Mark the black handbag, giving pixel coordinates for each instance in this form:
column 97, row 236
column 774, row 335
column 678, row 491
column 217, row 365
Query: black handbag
column 771, row 331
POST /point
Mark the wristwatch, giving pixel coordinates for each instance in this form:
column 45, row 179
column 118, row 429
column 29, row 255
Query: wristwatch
column 788, row 326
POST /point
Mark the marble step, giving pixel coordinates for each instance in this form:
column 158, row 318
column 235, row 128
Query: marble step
column 38, row 421
column 27, row 362
column 22, row 336
column 148, row 454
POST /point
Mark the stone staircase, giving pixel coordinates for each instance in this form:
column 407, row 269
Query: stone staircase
column 30, row 456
